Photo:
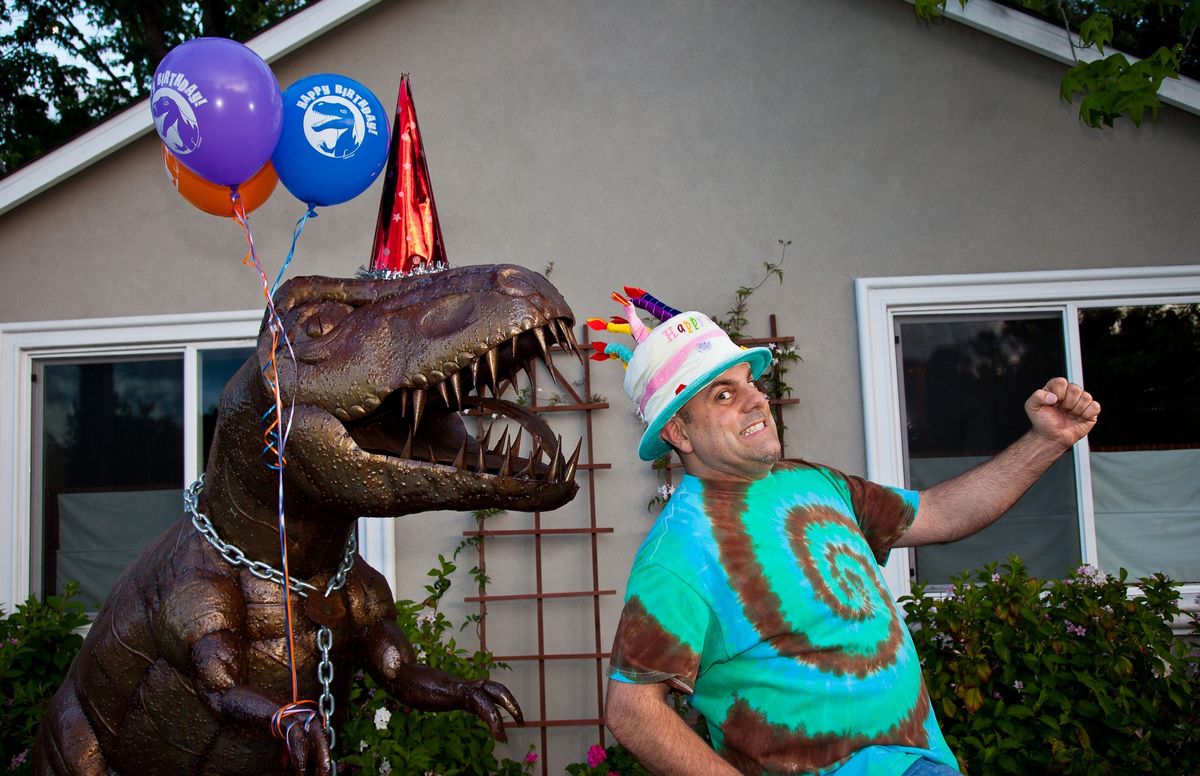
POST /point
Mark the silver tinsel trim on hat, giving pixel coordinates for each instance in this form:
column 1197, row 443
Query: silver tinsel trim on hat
column 389, row 274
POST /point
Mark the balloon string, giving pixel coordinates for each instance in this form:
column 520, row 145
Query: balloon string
column 277, row 428
column 310, row 213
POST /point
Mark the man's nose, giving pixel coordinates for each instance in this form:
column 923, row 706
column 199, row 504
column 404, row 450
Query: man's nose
column 753, row 398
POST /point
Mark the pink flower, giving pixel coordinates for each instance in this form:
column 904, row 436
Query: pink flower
column 596, row 755
column 531, row 758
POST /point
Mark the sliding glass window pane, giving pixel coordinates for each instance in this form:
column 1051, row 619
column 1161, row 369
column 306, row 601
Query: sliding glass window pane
column 111, row 465
column 216, row 367
column 966, row 379
column 1143, row 364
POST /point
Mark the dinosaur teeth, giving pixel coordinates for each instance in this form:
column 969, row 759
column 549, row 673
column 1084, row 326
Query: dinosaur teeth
column 539, row 334
column 444, row 391
column 460, row 459
column 407, row 451
column 555, row 457
column 572, row 462
column 456, row 387
column 418, row 403
column 493, row 360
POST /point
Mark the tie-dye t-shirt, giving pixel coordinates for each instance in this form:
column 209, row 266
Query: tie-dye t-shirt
column 766, row 602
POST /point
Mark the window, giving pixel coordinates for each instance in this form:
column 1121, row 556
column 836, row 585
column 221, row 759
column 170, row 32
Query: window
column 108, row 459
column 947, row 364
column 102, row 424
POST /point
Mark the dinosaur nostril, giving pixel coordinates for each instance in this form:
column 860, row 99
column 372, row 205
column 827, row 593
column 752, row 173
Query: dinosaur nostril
column 515, row 281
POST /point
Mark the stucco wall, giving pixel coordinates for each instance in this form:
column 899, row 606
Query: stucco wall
column 670, row 145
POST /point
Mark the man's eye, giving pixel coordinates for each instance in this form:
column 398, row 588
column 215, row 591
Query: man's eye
column 724, row 396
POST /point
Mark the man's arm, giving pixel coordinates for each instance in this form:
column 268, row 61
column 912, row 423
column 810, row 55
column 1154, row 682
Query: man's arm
column 1061, row 414
column 645, row 724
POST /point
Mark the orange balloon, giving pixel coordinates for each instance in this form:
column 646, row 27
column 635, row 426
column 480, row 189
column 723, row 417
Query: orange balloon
column 213, row 198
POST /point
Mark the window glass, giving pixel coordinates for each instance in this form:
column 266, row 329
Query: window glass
column 216, row 366
column 965, row 382
column 1143, row 363
column 110, row 469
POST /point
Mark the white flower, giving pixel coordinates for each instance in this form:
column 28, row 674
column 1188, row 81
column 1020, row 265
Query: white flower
column 362, row 745
column 665, row 490
column 425, row 618
column 385, row 767
column 382, row 716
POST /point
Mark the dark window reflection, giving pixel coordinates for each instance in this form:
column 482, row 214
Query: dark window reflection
column 966, row 379
column 1144, row 364
column 111, row 437
column 216, row 367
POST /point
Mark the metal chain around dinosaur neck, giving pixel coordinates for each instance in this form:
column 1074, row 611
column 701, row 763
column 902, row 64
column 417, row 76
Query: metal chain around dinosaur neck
column 236, row 557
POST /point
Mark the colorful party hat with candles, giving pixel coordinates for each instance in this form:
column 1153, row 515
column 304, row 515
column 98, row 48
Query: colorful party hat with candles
column 408, row 236
column 670, row 363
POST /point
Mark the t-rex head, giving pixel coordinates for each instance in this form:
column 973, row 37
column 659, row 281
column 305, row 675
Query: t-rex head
column 391, row 380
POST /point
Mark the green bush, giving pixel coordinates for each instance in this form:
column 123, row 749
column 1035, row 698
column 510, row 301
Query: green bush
column 37, row 643
column 382, row 736
column 1068, row 676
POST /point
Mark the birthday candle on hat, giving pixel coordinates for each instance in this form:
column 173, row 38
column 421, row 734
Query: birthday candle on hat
column 650, row 304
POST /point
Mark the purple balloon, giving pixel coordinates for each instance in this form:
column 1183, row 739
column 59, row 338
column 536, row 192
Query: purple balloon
column 217, row 107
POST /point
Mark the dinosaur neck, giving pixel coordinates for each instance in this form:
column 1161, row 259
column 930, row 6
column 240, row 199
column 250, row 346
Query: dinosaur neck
column 241, row 495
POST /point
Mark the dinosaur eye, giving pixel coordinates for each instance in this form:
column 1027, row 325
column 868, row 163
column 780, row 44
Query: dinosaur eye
column 318, row 319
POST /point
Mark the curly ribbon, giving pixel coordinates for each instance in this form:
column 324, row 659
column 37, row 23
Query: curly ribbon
column 277, row 427
column 297, row 712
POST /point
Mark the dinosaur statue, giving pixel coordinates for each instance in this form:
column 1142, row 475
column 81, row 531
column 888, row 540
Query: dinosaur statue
column 186, row 664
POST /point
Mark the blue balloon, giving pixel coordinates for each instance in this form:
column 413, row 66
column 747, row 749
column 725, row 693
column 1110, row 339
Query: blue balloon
column 334, row 141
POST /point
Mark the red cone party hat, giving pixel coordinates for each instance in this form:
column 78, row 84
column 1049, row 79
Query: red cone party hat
column 408, row 236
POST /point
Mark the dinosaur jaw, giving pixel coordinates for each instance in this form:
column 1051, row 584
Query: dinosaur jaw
column 445, row 420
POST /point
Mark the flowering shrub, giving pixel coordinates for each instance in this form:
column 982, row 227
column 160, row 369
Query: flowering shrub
column 1067, row 676
column 37, row 643
column 382, row 737
column 614, row 760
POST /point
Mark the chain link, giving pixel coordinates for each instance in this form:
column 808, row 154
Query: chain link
column 325, row 675
column 236, row 557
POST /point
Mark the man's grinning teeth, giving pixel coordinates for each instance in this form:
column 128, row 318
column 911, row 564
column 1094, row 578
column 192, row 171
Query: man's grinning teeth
column 759, row 426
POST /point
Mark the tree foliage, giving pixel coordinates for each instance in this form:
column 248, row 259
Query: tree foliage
column 1158, row 33
column 66, row 65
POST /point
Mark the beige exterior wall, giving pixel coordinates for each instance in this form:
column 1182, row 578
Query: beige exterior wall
column 669, row 145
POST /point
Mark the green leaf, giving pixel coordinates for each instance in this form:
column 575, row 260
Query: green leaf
column 1097, row 31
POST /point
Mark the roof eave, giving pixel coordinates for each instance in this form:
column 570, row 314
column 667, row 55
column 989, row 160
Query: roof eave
column 1034, row 34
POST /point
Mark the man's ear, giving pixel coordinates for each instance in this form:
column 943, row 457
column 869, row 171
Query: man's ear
column 675, row 434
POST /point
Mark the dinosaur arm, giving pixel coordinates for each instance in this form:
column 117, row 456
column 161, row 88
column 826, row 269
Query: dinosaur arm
column 392, row 662
column 215, row 660
column 418, row 686
column 202, row 630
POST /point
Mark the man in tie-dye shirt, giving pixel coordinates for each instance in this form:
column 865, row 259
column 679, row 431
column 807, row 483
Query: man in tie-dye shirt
column 758, row 590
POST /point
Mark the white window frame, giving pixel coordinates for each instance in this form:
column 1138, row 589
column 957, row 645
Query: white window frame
column 23, row 343
column 881, row 299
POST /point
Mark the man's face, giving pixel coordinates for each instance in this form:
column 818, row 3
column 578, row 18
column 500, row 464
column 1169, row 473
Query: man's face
column 726, row 431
